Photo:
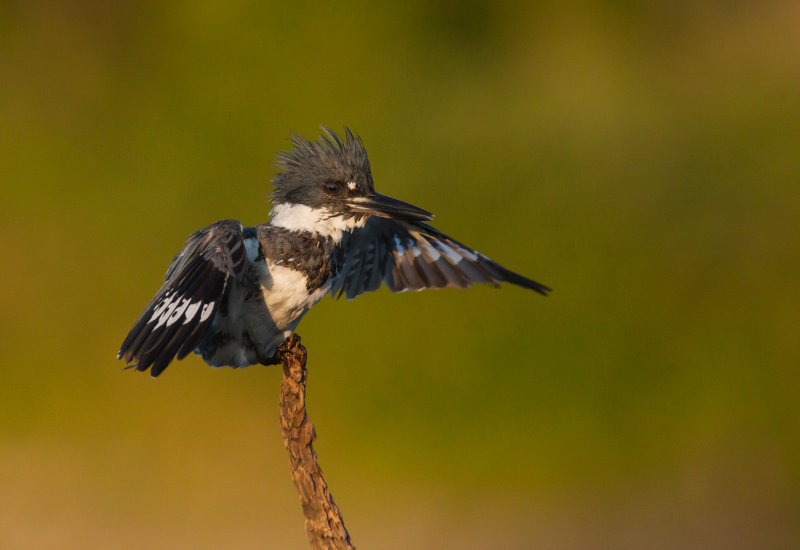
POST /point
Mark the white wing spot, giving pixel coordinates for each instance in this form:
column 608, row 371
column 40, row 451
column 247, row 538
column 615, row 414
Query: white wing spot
column 207, row 309
column 167, row 313
column 178, row 311
column 451, row 254
column 469, row 254
column 432, row 253
column 162, row 305
column 192, row 310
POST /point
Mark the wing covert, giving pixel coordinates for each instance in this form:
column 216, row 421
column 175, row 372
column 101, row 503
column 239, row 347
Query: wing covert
column 185, row 306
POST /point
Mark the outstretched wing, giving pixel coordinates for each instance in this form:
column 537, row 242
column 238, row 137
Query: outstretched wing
column 184, row 307
column 414, row 256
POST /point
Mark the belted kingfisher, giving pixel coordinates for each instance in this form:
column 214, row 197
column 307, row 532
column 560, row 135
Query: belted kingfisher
column 233, row 294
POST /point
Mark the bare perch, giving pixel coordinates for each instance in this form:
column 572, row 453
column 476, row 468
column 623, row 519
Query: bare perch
column 324, row 523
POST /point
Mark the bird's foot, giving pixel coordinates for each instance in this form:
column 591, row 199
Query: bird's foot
column 288, row 347
column 268, row 361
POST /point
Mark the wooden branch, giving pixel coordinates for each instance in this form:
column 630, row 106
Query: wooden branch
column 324, row 523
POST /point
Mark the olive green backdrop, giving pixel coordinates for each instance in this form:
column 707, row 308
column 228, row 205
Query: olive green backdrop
column 641, row 158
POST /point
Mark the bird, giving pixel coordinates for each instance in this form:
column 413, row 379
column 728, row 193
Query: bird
column 233, row 294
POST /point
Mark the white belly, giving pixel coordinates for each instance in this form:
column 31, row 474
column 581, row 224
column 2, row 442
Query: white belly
column 251, row 328
column 286, row 296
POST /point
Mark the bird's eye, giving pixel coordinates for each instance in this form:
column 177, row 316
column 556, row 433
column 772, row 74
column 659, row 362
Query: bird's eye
column 332, row 187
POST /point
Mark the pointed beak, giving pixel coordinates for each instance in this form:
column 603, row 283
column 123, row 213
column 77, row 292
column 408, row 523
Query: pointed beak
column 387, row 207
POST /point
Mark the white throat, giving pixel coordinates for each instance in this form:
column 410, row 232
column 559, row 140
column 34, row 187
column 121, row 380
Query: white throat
column 299, row 217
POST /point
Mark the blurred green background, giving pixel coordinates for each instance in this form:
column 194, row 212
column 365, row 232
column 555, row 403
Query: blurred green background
column 642, row 158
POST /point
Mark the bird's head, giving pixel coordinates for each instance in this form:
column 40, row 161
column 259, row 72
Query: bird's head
column 326, row 187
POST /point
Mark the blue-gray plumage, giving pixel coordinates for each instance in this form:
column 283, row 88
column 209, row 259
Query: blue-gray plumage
column 234, row 294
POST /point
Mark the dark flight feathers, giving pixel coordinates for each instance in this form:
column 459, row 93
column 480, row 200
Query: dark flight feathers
column 179, row 314
column 404, row 255
column 414, row 256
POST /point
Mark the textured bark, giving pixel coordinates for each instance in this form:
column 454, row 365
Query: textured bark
column 324, row 523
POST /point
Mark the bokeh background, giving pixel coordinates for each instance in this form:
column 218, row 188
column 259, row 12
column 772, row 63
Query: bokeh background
column 642, row 158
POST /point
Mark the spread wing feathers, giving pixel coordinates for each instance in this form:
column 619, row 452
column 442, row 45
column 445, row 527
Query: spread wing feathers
column 414, row 256
column 184, row 307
